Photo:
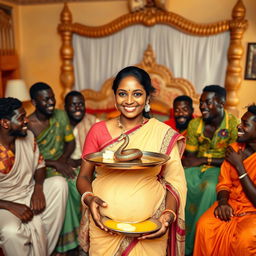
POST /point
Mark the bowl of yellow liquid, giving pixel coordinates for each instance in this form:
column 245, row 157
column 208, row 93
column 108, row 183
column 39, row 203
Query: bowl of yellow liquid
column 132, row 229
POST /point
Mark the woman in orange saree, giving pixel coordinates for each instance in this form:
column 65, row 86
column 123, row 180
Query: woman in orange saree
column 135, row 195
column 228, row 228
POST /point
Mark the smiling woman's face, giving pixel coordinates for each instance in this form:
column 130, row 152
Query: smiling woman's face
column 130, row 97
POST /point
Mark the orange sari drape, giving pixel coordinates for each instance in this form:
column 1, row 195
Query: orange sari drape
column 238, row 236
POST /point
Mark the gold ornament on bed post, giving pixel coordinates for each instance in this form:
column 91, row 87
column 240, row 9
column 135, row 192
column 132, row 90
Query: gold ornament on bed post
column 235, row 52
column 66, row 51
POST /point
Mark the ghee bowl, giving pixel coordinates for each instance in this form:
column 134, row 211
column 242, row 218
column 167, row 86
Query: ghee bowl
column 132, row 229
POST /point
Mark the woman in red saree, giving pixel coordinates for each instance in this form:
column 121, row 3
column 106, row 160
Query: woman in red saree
column 135, row 195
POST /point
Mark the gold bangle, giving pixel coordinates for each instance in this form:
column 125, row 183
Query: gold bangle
column 171, row 211
column 84, row 195
column 209, row 161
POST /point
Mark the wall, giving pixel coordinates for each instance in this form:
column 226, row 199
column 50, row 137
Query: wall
column 247, row 92
column 16, row 18
column 40, row 42
column 213, row 10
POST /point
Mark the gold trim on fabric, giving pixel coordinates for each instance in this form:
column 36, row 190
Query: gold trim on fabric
column 191, row 148
column 180, row 248
column 68, row 238
column 83, row 237
column 69, row 137
column 227, row 120
column 166, row 141
column 200, row 127
column 124, row 244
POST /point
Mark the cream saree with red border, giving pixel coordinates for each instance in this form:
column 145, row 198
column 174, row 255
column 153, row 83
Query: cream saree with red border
column 136, row 195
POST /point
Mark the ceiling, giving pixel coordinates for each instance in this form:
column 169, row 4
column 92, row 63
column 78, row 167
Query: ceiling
column 31, row 2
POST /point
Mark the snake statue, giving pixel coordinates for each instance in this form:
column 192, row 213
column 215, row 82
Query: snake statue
column 124, row 155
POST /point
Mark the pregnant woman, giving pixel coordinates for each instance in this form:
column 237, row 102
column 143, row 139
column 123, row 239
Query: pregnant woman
column 134, row 195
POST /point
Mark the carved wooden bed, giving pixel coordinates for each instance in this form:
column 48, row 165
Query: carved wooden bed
column 99, row 102
column 167, row 87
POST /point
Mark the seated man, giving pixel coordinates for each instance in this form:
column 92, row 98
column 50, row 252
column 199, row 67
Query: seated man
column 183, row 113
column 81, row 122
column 56, row 142
column 32, row 208
column 207, row 140
column 229, row 226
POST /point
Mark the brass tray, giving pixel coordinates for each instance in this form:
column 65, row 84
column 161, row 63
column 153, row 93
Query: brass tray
column 132, row 229
column 149, row 159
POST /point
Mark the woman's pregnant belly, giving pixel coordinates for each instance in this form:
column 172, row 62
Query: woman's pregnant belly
column 129, row 198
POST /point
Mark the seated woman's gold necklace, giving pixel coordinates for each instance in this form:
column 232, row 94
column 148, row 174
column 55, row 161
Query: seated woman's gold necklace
column 120, row 125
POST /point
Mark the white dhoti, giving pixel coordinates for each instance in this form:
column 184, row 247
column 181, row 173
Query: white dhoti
column 39, row 236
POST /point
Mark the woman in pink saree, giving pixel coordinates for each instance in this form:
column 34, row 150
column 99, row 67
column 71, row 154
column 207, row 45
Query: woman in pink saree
column 134, row 195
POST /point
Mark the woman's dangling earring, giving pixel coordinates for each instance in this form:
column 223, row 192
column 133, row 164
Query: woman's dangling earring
column 147, row 107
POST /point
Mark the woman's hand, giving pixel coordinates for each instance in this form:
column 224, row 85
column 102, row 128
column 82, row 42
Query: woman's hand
column 166, row 220
column 94, row 203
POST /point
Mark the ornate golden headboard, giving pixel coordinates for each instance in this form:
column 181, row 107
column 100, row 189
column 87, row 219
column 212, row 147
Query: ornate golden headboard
column 150, row 17
column 167, row 88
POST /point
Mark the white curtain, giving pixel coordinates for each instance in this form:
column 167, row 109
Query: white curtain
column 200, row 59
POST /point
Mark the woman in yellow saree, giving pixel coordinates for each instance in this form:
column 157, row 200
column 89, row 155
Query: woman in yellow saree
column 135, row 195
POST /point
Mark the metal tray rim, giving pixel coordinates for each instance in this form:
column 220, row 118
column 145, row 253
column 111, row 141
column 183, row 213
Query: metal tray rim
column 120, row 165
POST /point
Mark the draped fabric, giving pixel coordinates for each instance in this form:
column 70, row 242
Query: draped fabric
column 80, row 131
column 37, row 237
column 200, row 59
column 202, row 180
column 51, row 142
column 136, row 195
column 238, row 236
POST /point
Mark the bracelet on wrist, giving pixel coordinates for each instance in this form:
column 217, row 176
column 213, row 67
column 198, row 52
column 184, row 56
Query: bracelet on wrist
column 242, row 176
column 170, row 211
column 84, row 195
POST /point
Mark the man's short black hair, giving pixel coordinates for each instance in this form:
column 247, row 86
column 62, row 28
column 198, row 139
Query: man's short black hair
column 184, row 98
column 37, row 87
column 7, row 107
column 218, row 90
column 252, row 110
column 72, row 93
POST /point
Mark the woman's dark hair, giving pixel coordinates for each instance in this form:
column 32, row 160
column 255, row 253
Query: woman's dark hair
column 140, row 75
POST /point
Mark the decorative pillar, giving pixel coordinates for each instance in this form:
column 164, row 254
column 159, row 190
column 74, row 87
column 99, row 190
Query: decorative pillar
column 235, row 52
column 66, row 51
